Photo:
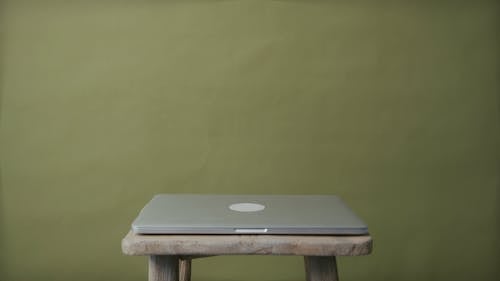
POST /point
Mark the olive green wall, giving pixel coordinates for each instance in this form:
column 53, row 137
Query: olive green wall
column 391, row 105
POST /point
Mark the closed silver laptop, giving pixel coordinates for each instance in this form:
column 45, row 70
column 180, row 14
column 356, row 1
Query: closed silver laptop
column 247, row 214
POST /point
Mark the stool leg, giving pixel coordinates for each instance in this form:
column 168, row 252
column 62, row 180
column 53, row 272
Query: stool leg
column 185, row 269
column 163, row 268
column 321, row 268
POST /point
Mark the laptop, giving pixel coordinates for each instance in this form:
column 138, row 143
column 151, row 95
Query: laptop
column 248, row 214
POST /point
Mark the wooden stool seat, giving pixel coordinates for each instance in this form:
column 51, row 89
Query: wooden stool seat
column 170, row 255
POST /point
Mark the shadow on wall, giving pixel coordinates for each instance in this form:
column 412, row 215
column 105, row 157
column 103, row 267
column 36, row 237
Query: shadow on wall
column 2, row 38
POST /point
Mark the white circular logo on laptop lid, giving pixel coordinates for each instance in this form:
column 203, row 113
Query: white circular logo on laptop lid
column 247, row 207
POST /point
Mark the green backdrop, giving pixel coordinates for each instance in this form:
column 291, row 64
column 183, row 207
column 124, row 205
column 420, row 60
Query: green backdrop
column 390, row 104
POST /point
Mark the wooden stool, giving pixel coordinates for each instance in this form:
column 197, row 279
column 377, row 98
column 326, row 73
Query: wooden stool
column 170, row 255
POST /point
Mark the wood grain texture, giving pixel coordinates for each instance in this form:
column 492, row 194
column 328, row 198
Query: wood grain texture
column 163, row 268
column 184, row 269
column 321, row 268
column 134, row 244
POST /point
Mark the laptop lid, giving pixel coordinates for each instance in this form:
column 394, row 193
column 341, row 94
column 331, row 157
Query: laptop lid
column 247, row 214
